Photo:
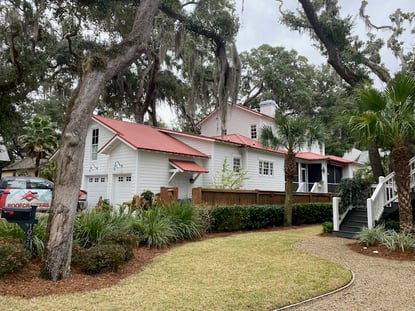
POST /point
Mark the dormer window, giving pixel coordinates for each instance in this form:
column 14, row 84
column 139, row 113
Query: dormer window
column 94, row 145
column 253, row 131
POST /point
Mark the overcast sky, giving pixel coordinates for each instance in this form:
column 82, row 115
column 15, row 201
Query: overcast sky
column 259, row 24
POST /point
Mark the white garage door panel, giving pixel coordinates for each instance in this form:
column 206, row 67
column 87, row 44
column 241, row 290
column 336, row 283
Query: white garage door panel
column 96, row 187
column 122, row 189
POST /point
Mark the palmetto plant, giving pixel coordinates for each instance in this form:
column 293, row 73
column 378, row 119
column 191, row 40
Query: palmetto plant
column 390, row 118
column 40, row 139
column 290, row 132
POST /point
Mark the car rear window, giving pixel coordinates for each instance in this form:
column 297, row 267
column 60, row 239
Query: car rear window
column 39, row 184
column 13, row 184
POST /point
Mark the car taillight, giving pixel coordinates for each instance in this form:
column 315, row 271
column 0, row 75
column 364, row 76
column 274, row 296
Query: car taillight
column 82, row 195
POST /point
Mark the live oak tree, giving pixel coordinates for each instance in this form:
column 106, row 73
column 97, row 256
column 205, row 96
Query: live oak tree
column 352, row 58
column 96, row 69
column 296, row 85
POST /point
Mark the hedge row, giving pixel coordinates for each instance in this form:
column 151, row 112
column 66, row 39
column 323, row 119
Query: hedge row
column 242, row 217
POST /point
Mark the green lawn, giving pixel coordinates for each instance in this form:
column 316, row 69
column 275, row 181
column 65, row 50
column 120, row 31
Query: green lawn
column 251, row 271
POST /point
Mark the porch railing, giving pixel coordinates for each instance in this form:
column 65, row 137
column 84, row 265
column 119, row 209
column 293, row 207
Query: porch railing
column 382, row 197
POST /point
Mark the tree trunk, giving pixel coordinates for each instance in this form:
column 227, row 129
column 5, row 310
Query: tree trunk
column 98, row 69
column 289, row 168
column 375, row 160
column 400, row 162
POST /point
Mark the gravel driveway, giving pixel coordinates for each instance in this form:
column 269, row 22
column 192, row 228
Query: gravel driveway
column 379, row 284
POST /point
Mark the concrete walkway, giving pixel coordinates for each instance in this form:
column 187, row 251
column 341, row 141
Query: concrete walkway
column 379, row 284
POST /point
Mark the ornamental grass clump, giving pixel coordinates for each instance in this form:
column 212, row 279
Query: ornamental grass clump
column 154, row 229
column 373, row 236
column 186, row 222
column 402, row 241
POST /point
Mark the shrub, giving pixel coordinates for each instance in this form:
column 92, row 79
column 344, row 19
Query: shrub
column 185, row 220
column 353, row 191
column 127, row 241
column 312, row 213
column 236, row 217
column 372, row 236
column 263, row 216
column 226, row 218
column 99, row 257
column 148, row 196
column 327, row 227
column 154, row 229
column 13, row 256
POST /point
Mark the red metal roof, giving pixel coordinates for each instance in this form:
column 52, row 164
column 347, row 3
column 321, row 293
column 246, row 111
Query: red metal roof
column 188, row 166
column 247, row 142
column 147, row 137
column 316, row 156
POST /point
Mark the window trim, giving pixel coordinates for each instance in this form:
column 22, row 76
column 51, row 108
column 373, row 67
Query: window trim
column 236, row 168
column 254, row 131
column 94, row 144
column 266, row 168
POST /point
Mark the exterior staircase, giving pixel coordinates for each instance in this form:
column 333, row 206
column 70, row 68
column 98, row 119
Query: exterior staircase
column 353, row 223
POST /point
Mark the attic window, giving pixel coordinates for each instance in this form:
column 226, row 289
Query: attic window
column 253, row 131
column 94, row 145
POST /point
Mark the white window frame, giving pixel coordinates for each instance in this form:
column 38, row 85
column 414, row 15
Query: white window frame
column 236, row 164
column 254, row 131
column 94, row 144
column 266, row 168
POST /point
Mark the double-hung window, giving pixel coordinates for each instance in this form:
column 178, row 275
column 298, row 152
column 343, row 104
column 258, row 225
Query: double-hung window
column 236, row 166
column 266, row 168
column 94, row 145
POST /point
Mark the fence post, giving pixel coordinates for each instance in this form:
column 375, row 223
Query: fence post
column 369, row 207
column 197, row 196
column 336, row 204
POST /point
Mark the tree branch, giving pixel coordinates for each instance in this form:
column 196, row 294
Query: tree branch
column 333, row 54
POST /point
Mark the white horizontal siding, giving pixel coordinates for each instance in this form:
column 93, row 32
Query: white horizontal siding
column 122, row 162
column 99, row 166
column 276, row 182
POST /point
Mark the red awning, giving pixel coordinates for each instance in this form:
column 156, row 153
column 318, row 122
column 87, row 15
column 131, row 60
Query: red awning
column 188, row 166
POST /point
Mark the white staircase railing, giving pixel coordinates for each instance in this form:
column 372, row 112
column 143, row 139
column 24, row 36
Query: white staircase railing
column 384, row 194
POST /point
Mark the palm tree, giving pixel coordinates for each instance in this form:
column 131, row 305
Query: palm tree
column 290, row 132
column 40, row 139
column 393, row 124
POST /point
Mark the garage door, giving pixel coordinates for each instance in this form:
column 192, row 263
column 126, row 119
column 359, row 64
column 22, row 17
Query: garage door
column 122, row 189
column 96, row 187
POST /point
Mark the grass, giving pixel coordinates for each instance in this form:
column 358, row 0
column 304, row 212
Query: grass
column 251, row 271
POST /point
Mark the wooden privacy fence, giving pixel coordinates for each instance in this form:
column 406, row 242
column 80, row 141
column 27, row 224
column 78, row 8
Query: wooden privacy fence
column 253, row 197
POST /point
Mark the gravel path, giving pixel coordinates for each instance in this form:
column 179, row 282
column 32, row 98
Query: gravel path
column 379, row 284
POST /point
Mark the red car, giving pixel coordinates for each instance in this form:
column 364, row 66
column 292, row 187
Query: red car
column 25, row 191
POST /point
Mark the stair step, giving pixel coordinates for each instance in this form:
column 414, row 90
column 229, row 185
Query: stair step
column 352, row 228
column 345, row 234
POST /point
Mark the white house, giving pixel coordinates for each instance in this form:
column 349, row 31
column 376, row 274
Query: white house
column 122, row 158
column 247, row 122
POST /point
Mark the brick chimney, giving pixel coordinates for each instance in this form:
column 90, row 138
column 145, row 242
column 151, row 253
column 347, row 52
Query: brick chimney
column 268, row 107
